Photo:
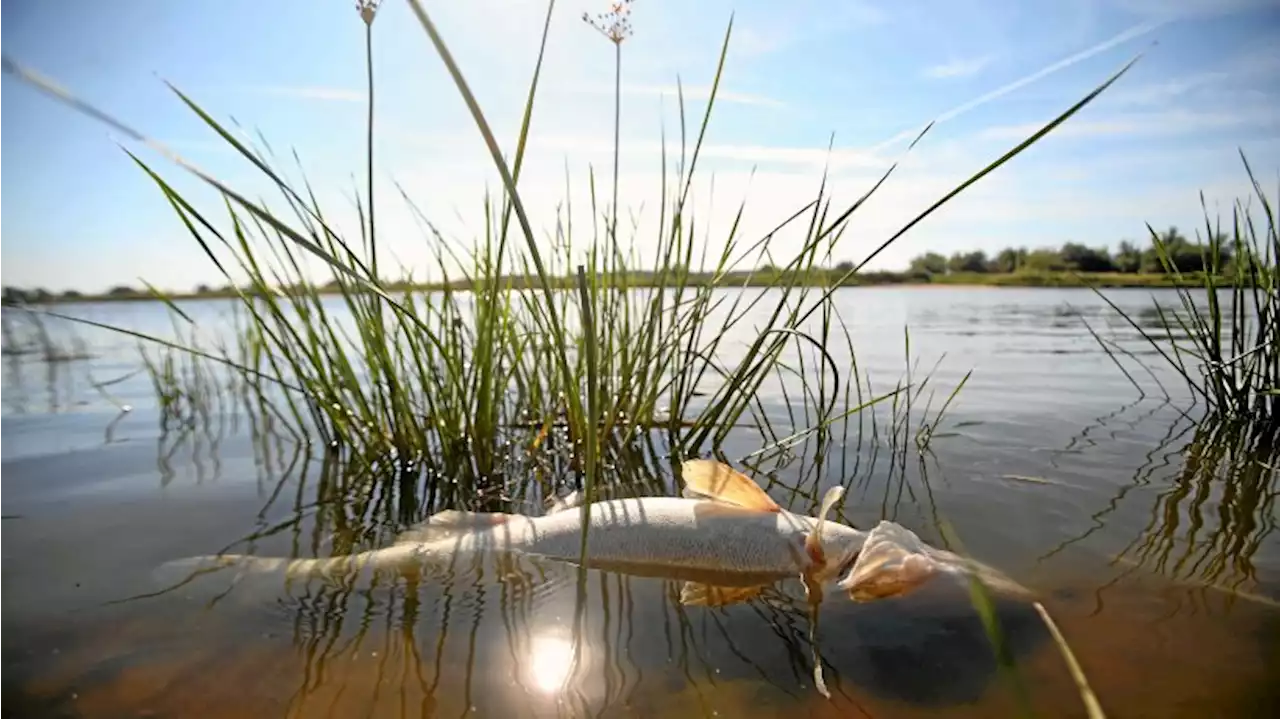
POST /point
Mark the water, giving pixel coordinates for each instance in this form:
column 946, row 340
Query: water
column 1048, row 466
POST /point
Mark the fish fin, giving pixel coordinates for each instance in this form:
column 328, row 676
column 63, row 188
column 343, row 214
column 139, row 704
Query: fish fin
column 689, row 493
column 468, row 520
column 711, row 509
column 813, row 540
column 723, row 483
column 571, row 500
column 451, row 522
column 697, row 594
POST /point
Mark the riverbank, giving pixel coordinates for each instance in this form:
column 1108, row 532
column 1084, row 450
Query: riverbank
column 756, row 279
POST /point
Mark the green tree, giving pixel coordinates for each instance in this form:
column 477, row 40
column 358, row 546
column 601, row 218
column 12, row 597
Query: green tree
column 1128, row 257
column 844, row 268
column 1044, row 260
column 1183, row 254
column 930, row 263
column 1086, row 259
column 975, row 261
column 1009, row 260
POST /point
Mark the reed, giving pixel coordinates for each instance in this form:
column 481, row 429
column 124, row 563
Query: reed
column 524, row 372
column 1222, row 336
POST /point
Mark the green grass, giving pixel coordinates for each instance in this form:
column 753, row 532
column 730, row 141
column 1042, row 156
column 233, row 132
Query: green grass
column 532, row 357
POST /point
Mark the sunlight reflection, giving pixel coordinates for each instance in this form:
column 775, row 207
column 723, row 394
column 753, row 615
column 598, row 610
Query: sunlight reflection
column 550, row 663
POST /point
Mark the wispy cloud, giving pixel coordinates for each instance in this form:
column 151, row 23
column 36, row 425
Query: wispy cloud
column 1130, row 34
column 1173, row 122
column 1123, row 37
column 958, row 68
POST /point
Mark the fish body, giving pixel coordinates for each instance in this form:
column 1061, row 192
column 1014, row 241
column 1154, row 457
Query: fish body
column 725, row 527
column 648, row 535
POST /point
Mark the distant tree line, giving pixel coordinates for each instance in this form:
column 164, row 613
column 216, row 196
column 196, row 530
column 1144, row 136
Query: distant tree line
column 1183, row 254
column 1128, row 258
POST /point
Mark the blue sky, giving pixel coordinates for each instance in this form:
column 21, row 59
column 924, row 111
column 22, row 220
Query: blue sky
column 77, row 213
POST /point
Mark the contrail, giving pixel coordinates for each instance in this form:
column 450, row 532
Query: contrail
column 1127, row 35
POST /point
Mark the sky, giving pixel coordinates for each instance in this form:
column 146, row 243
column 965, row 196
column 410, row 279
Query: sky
column 808, row 88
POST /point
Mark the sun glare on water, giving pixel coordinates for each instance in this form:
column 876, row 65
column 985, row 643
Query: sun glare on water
column 550, row 663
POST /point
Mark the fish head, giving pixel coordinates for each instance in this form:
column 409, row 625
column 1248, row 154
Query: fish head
column 892, row 562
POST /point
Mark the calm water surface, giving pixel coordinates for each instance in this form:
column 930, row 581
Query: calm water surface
column 1049, row 467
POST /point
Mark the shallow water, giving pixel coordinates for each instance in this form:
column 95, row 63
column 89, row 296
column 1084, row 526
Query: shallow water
column 1051, row 467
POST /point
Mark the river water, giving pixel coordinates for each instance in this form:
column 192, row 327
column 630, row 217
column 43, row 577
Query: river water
column 1049, row 465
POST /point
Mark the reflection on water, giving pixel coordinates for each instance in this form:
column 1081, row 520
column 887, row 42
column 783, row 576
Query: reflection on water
column 1150, row 539
column 550, row 662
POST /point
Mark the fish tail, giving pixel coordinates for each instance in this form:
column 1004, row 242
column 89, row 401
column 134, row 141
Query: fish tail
column 180, row 571
column 397, row 557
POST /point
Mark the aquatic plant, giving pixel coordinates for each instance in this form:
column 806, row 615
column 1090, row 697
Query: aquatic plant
column 1222, row 339
column 1226, row 349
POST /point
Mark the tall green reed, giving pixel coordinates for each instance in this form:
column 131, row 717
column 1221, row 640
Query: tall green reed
column 466, row 388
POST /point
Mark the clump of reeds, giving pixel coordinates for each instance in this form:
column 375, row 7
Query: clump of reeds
column 550, row 359
column 1223, row 338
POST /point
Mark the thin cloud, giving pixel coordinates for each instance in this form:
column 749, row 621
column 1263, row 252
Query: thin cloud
column 1132, row 33
column 1175, row 122
column 958, row 68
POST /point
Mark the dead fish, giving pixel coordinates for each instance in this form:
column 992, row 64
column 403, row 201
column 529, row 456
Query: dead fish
column 725, row 527
column 726, row 538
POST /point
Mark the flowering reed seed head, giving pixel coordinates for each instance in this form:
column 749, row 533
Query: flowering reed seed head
column 615, row 24
column 367, row 9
